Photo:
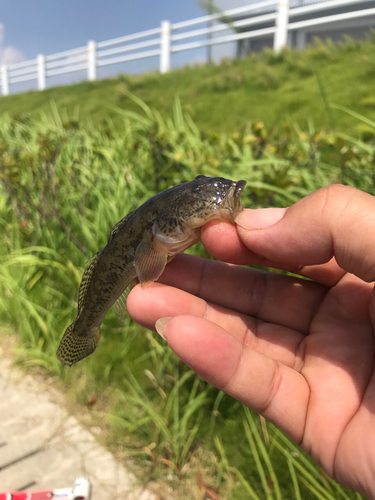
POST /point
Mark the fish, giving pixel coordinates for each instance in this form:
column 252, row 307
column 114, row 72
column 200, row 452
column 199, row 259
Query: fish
column 138, row 249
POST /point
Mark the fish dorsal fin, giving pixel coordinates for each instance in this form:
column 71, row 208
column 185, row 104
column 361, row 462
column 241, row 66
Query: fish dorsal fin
column 117, row 227
column 149, row 261
column 120, row 305
column 86, row 278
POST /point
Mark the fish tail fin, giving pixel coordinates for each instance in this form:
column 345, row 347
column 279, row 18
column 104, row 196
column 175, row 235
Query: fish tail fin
column 74, row 347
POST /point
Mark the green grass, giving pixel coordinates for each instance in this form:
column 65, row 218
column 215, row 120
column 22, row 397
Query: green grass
column 291, row 86
column 62, row 188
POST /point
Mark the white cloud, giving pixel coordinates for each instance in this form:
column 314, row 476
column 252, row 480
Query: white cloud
column 9, row 54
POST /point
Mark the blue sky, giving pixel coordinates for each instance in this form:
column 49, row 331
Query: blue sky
column 31, row 27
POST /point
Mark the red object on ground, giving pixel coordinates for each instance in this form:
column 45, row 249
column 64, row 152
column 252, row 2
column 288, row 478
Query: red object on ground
column 37, row 495
column 81, row 491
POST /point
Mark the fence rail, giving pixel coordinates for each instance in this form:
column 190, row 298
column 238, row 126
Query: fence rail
column 168, row 39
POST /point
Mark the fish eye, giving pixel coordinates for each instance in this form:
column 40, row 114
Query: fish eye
column 198, row 188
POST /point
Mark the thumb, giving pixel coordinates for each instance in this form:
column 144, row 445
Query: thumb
column 335, row 221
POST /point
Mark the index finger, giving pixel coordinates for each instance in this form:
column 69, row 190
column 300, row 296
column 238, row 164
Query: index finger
column 335, row 221
column 322, row 236
column 223, row 241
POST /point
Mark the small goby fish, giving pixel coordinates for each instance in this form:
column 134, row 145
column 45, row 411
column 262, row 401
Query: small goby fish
column 139, row 246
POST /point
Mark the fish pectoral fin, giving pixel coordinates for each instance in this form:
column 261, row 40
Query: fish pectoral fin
column 74, row 347
column 149, row 261
column 120, row 305
column 173, row 237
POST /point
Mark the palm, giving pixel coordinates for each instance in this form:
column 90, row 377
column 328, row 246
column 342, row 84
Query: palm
column 337, row 365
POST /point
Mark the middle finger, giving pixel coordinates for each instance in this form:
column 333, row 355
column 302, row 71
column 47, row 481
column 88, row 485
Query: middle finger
column 274, row 298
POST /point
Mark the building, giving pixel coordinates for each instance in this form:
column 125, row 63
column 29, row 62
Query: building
column 307, row 19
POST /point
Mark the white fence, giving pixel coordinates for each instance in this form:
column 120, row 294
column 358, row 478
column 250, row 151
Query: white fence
column 163, row 41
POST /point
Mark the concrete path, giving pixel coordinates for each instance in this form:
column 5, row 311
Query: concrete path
column 42, row 447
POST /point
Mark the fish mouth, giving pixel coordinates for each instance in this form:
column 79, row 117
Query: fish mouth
column 234, row 198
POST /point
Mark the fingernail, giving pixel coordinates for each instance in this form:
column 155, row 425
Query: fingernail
column 160, row 326
column 259, row 218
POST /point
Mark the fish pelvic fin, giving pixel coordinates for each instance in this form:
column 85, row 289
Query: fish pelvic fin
column 120, row 305
column 74, row 347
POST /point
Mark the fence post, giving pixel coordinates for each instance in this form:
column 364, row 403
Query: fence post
column 91, row 60
column 281, row 34
column 41, row 62
column 165, row 47
column 4, row 79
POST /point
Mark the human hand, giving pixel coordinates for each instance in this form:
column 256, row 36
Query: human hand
column 300, row 352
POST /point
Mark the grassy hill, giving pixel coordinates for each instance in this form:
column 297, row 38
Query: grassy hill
column 291, row 86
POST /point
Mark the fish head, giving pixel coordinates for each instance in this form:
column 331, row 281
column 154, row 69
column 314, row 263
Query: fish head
column 208, row 198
